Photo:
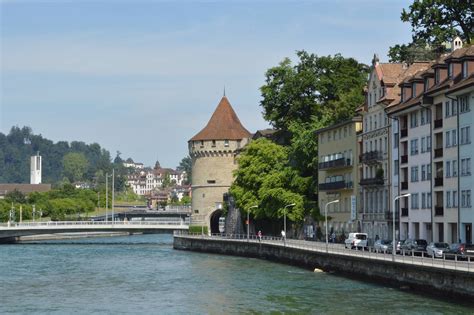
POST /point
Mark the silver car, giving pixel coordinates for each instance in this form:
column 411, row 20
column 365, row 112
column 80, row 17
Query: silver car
column 437, row 249
column 382, row 246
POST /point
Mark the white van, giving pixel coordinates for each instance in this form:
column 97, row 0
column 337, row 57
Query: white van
column 356, row 240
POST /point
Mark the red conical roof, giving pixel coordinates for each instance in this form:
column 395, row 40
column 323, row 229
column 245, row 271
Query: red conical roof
column 223, row 125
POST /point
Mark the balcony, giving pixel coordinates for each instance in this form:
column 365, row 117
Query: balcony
column 438, row 123
column 404, row 159
column 403, row 133
column 404, row 212
column 335, row 186
column 438, row 153
column 337, row 163
column 438, row 181
column 439, row 211
column 404, row 185
column 374, row 181
column 371, row 157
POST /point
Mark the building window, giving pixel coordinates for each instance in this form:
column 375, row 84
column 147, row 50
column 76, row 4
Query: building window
column 447, row 139
column 464, row 69
column 414, row 173
column 423, row 200
column 213, row 143
column 454, row 108
column 463, row 104
column 414, row 201
column 423, row 172
column 413, row 120
column 454, row 137
column 466, row 198
column 466, row 135
column 423, row 144
column 413, row 90
column 455, row 168
column 455, row 198
column 202, row 143
column 226, row 143
column 414, row 147
column 447, row 108
column 426, row 85
column 448, row 169
column 466, row 167
column 437, row 75
column 395, row 167
column 395, row 140
column 448, row 199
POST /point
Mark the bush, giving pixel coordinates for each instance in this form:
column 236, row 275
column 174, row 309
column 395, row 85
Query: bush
column 198, row 229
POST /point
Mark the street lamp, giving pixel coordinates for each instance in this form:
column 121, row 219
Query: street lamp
column 394, row 247
column 326, row 215
column 248, row 221
column 284, row 217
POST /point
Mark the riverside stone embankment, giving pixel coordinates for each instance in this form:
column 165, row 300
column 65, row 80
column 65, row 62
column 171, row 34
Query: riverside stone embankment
column 432, row 280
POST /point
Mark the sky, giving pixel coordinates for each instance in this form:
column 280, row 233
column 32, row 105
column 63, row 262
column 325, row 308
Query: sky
column 143, row 77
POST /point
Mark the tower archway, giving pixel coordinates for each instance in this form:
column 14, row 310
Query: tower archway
column 214, row 221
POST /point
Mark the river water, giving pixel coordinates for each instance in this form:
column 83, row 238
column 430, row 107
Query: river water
column 142, row 274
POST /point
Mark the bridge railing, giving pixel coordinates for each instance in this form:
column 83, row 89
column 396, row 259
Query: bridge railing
column 93, row 223
column 449, row 261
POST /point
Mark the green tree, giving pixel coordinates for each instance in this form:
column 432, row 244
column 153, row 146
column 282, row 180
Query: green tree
column 186, row 165
column 15, row 196
column 316, row 86
column 166, row 181
column 264, row 178
column 438, row 21
column 74, row 166
column 434, row 23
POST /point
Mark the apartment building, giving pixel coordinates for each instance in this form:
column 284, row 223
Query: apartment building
column 434, row 149
column 376, row 161
column 338, row 176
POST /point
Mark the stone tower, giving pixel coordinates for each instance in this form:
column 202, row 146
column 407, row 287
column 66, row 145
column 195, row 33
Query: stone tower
column 35, row 169
column 213, row 151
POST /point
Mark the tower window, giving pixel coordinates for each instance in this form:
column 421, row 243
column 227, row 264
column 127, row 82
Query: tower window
column 226, row 143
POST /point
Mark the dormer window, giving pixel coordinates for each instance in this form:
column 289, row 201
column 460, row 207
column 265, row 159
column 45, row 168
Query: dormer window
column 437, row 76
column 413, row 90
column 450, row 70
column 464, row 69
column 426, row 84
column 402, row 96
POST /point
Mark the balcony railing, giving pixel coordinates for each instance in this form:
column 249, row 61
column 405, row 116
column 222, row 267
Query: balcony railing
column 439, row 211
column 404, row 212
column 404, row 159
column 438, row 181
column 370, row 157
column 372, row 181
column 404, row 185
column 438, row 123
column 379, row 216
column 438, row 153
column 403, row 133
column 341, row 162
column 335, row 185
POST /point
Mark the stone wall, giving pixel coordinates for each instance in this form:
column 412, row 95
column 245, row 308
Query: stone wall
column 447, row 283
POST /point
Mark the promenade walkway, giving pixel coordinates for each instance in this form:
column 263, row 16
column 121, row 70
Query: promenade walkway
column 413, row 258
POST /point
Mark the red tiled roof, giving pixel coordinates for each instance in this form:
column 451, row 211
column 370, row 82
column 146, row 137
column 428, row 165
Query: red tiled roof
column 223, row 125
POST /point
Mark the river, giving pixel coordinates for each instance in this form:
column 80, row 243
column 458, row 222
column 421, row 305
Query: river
column 142, row 274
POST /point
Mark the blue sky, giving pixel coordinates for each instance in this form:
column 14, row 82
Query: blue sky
column 142, row 77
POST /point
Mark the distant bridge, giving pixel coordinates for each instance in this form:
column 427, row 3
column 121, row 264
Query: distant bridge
column 10, row 231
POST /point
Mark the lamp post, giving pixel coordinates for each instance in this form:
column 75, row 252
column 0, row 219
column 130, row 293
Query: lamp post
column 394, row 247
column 326, row 216
column 248, row 221
column 284, row 217
column 34, row 212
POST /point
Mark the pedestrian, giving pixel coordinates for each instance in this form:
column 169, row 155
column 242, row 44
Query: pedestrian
column 283, row 236
column 259, row 234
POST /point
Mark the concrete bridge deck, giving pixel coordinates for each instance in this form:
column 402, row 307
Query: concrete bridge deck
column 9, row 231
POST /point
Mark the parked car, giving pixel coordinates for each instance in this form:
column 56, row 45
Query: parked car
column 356, row 240
column 414, row 245
column 437, row 249
column 462, row 250
column 382, row 246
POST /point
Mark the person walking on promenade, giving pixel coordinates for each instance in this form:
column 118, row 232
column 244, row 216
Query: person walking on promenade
column 283, row 236
column 259, row 234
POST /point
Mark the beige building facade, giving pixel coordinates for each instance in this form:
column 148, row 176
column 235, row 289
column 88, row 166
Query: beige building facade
column 338, row 176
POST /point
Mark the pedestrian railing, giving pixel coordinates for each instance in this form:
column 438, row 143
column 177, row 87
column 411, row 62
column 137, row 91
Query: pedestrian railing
column 91, row 223
column 447, row 261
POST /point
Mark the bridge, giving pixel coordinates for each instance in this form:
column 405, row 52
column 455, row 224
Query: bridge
column 10, row 231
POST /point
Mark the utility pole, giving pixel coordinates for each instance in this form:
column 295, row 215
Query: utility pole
column 113, row 195
column 106, row 195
